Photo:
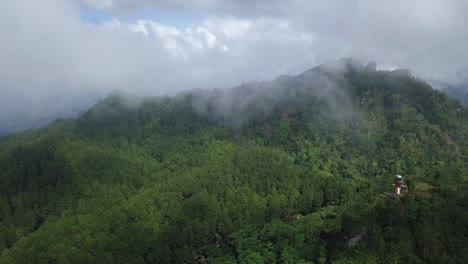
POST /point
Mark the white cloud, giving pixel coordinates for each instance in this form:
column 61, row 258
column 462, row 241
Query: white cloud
column 100, row 4
column 179, row 44
column 50, row 57
column 428, row 36
column 230, row 27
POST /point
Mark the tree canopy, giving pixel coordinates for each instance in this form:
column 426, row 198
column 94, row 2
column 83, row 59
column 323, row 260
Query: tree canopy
column 287, row 171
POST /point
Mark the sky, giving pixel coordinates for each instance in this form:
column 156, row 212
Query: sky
column 57, row 57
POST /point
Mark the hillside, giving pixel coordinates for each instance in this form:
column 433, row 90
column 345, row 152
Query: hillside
column 284, row 171
column 458, row 92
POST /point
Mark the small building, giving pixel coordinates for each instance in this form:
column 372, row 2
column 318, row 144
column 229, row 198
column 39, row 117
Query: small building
column 398, row 185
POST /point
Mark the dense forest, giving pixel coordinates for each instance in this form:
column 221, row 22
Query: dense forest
column 292, row 170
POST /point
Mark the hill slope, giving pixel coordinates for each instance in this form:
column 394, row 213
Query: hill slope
column 458, row 92
column 286, row 171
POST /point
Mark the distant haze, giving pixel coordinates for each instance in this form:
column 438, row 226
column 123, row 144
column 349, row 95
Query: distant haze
column 55, row 61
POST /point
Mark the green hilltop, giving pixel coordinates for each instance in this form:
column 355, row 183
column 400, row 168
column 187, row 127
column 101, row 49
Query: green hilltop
column 292, row 170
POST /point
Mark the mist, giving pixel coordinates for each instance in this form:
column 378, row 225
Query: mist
column 56, row 64
column 325, row 85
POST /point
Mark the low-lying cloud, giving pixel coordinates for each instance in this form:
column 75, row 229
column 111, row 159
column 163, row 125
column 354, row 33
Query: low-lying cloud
column 53, row 63
column 326, row 86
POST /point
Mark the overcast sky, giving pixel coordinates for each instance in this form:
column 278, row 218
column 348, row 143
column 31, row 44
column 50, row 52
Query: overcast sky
column 56, row 56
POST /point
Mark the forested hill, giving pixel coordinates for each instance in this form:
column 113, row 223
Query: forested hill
column 458, row 92
column 292, row 170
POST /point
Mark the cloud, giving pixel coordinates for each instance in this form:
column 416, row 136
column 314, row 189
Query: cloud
column 226, row 7
column 100, row 4
column 428, row 36
column 53, row 61
column 325, row 85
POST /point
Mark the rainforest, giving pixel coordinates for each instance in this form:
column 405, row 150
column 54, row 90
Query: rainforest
column 292, row 170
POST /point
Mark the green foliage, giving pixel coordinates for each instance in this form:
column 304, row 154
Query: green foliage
column 154, row 181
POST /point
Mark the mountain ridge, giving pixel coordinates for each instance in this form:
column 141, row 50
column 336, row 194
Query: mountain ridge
column 268, row 172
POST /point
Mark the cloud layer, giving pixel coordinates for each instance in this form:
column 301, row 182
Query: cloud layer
column 53, row 62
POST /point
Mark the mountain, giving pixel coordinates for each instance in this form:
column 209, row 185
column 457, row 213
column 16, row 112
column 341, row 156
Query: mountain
column 459, row 92
column 293, row 170
column 21, row 116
